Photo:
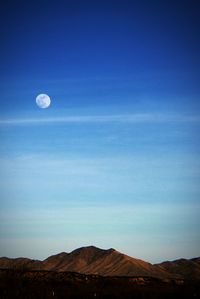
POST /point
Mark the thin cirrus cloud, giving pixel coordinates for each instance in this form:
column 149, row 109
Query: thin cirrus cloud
column 120, row 118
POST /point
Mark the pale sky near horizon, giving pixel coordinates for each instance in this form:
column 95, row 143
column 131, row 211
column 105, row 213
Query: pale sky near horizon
column 114, row 161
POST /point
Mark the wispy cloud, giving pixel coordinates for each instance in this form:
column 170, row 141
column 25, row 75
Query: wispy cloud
column 119, row 118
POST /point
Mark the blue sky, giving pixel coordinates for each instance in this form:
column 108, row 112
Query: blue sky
column 114, row 161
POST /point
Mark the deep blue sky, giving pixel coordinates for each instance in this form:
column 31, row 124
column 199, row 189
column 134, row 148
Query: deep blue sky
column 114, row 161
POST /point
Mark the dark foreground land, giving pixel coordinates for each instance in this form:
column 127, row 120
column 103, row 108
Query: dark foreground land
column 48, row 284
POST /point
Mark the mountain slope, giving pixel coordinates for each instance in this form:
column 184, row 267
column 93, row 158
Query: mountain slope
column 182, row 267
column 74, row 261
column 93, row 260
column 20, row 263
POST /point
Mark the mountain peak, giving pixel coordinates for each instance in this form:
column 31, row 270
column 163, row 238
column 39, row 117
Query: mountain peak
column 87, row 248
column 107, row 262
column 91, row 248
column 91, row 252
column 112, row 250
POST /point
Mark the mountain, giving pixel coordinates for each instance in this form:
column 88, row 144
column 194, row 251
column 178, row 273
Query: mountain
column 93, row 260
column 20, row 263
column 183, row 267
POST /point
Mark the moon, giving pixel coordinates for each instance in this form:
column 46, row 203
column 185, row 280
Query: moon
column 43, row 100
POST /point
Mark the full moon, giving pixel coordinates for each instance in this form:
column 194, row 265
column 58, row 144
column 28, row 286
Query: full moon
column 43, row 100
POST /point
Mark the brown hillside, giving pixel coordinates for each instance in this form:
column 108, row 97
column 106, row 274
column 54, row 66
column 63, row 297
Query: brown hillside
column 189, row 269
column 93, row 260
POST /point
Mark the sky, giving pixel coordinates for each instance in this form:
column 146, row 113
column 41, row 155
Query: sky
column 114, row 161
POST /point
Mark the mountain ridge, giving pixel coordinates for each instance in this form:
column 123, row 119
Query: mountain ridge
column 106, row 262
